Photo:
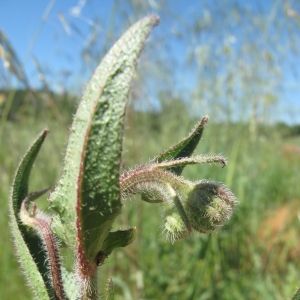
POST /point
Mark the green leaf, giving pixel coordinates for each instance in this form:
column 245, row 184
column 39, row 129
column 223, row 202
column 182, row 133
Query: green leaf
column 98, row 184
column 120, row 238
column 40, row 222
column 70, row 284
column 194, row 160
column 90, row 180
column 27, row 244
column 184, row 148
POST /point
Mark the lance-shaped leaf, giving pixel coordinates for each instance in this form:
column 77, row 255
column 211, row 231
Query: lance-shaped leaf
column 184, row 148
column 194, row 160
column 98, row 197
column 28, row 246
column 90, row 180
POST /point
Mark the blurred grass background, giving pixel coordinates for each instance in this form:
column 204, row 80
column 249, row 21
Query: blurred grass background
column 255, row 256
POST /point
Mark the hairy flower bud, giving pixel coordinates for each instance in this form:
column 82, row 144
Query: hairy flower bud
column 176, row 224
column 174, row 227
column 209, row 206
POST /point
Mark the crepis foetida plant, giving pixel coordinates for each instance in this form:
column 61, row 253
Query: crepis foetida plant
column 89, row 195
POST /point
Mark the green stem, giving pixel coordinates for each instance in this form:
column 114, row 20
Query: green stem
column 90, row 290
column 161, row 186
column 41, row 223
column 150, row 178
column 87, row 274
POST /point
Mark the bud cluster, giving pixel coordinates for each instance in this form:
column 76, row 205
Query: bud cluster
column 203, row 206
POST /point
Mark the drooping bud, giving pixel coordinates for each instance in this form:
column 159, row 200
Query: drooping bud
column 209, row 206
column 176, row 223
column 174, row 227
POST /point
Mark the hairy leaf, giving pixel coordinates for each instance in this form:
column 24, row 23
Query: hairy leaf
column 89, row 185
column 29, row 248
column 40, row 222
column 194, row 160
column 98, row 198
column 70, row 284
column 184, row 148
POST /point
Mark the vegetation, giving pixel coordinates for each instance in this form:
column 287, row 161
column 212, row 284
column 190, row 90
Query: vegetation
column 254, row 257
column 91, row 191
column 255, row 254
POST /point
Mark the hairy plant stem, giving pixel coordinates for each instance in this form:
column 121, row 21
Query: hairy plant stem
column 161, row 186
column 87, row 276
column 41, row 224
column 152, row 178
column 90, row 290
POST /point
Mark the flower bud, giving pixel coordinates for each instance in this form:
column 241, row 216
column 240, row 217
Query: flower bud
column 174, row 226
column 209, row 206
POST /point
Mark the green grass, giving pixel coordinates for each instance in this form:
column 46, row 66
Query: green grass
column 255, row 256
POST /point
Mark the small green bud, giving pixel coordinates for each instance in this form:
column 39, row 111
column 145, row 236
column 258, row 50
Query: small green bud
column 209, row 206
column 176, row 224
column 174, row 227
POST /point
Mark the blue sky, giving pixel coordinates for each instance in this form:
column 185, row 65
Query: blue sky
column 39, row 29
column 32, row 36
